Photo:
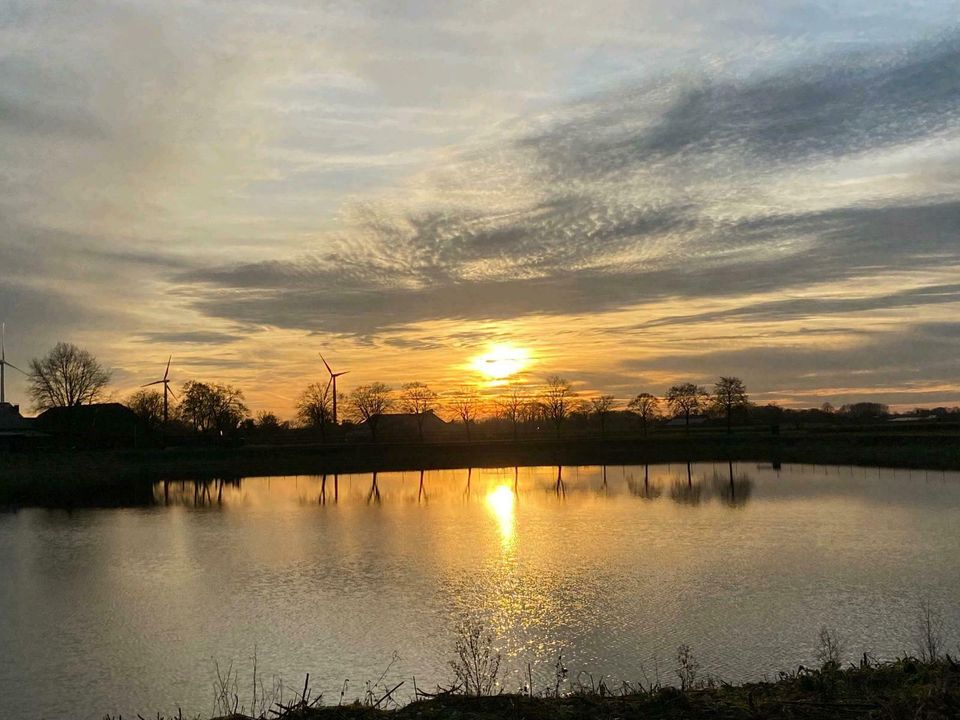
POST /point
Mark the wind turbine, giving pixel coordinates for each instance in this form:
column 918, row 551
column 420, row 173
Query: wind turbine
column 333, row 379
column 165, row 381
column 4, row 364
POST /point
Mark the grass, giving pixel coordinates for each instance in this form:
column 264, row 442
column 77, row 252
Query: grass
column 903, row 688
column 921, row 688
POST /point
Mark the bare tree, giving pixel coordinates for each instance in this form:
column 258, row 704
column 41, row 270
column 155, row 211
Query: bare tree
column 646, row 407
column 268, row 422
column 212, row 407
column 148, row 406
column 417, row 399
column 515, row 407
column 686, row 399
column 466, row 405
column 558, row 400
column 66, row 377
column 729, row 394
column 315, row 407
column 601, row 407
column 370, row 402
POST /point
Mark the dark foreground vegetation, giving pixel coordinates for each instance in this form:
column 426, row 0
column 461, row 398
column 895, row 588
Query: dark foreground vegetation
column 125, row 477
column 905, row 688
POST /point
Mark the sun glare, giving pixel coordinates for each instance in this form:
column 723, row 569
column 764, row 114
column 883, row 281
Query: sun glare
column 501, row 362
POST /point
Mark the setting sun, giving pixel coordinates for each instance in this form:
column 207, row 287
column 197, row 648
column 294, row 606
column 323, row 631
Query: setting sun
column 501, row 362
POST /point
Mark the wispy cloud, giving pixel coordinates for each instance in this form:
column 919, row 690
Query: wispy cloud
column 197, row 175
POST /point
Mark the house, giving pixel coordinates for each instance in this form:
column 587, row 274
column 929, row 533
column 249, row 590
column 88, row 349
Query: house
column 97, row 426
column 404, row 426
column 16, row 431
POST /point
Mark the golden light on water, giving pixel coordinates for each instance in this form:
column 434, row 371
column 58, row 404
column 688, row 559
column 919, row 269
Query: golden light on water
column 501, row 362
column 500, row 502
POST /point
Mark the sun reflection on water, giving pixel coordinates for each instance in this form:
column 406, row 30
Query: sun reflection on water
column 501, row 502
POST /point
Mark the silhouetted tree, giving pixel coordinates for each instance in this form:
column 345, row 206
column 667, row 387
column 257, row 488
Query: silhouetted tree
column 148, row 406
column 267, row 422
column 315, row 407
column 686, row 399
column 601, row 407
column 66, row 377
column 212, row 407
column 417, row 399
column 370, row 402
column 866, row 410
column 558, row 399
column 646, row 407
column 515, row 407
column 729, row 394
column 466, row 405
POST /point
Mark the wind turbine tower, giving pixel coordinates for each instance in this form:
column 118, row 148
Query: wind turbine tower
column 4, row 364
column 165, row 381
column 333, row 379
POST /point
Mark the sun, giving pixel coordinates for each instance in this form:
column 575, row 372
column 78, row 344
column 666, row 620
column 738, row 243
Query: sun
column 501, row 362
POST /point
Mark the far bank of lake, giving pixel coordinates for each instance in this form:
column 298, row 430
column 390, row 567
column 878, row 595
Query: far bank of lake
column 123, row 477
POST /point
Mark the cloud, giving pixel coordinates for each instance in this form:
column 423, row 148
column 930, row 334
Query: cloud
column 839, row 245
column 190, row 337
column 905, row 360
column 838, row 108
column 383, row 173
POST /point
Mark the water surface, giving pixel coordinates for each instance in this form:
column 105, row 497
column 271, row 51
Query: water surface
column 127, row 611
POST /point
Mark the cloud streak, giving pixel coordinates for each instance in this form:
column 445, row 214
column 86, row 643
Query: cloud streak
column 252, row 171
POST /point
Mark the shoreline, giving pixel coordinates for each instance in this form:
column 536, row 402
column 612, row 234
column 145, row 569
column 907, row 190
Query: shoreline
column 120, row 477
column 903, row 688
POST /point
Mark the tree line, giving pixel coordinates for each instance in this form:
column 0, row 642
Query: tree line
column 69, row 376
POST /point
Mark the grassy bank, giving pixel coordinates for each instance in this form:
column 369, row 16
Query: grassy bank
column 905, row 688
column 124, row 477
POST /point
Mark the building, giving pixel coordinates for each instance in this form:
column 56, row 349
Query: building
column 404, row 426
column 97, row 426
column 16, row 431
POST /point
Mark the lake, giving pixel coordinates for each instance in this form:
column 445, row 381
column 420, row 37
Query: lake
column 354, row 577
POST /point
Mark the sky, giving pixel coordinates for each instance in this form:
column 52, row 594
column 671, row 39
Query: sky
column 625, row 194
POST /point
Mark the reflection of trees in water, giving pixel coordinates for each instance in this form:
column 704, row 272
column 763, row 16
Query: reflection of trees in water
column 733, row 489
column 198, row 493
column 323, row 489
column 686, row 492
column 374, row 494
column 643, row 488
column 559, row 488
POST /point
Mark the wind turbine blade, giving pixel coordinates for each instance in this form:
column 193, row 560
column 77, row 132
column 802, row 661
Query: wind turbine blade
column 170, row 390
column 327, row 388
column 155, row 382
column 327, row 364
column 14, row 367
column 341, row 373
column 167, row 371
